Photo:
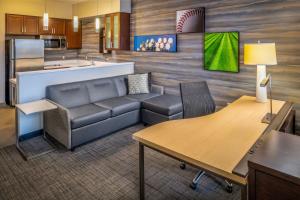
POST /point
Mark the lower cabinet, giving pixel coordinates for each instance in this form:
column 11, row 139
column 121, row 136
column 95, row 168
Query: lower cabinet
column 274, row 168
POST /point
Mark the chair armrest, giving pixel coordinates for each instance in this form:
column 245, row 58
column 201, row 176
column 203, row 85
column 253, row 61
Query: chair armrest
column 57, row 124
column 157, row 89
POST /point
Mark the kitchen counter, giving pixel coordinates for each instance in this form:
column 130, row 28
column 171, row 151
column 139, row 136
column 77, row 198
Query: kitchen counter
column 60, row 64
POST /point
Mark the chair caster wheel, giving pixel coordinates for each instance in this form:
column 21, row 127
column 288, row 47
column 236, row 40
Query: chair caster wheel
column 229, row 189
column 193, row 186
column 182, row 166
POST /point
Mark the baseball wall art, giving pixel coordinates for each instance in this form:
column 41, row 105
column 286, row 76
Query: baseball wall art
column 190, row 20
column 155, row 43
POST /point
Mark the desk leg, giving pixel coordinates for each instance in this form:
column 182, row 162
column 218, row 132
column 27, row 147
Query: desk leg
column 244, row 192
column 142, row 175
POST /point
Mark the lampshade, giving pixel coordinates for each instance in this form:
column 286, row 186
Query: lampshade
column 260, row 54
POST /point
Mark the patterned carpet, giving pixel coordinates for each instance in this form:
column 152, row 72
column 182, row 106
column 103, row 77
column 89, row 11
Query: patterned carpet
column 105, row 169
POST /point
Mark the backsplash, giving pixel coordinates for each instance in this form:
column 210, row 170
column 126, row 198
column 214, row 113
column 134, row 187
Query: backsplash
column 58, row 54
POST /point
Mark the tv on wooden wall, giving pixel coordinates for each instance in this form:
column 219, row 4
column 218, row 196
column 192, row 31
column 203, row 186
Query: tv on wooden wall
column 221, row 51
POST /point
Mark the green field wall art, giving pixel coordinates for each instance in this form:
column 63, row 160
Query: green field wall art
column 221, row 51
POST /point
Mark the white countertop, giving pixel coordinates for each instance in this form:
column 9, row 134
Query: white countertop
column 67, row 65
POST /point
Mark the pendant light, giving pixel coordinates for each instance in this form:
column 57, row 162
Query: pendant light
column 45, row 18
column 75, row 20
column 97, row 20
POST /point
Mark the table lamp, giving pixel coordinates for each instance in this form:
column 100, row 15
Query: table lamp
column 261, row 54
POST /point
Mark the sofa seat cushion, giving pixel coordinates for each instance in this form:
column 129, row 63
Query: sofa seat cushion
column 119, row 105
column 87, row 114
column 165, row 104
column 142, row 97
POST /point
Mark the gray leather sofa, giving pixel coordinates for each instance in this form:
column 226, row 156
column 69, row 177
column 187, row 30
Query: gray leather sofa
column 91, row 109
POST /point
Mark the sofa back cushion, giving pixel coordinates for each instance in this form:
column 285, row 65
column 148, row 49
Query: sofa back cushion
column 121, row 85
column 69, row 95
column 101, row 89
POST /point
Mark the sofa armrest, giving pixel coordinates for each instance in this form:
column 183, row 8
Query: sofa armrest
column 57, row 124
column 157, row 89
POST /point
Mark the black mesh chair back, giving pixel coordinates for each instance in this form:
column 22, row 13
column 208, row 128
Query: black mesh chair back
column 196, row 99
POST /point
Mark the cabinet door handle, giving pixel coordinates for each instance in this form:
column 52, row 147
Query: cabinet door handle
column 54, row 30
column 25, row 29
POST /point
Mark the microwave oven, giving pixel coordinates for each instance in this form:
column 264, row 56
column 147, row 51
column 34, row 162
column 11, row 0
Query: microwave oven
column 54, row 42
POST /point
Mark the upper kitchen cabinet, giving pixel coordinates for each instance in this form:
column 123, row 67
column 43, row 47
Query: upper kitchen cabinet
column 55, row 27
column 117, row 31
column 21, row 25
column 74, row 40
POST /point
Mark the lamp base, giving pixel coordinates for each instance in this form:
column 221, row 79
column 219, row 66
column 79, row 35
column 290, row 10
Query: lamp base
column 261, row 92
column 268, row 118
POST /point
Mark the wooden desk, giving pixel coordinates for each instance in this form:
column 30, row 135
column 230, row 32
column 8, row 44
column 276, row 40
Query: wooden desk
column 218, row 143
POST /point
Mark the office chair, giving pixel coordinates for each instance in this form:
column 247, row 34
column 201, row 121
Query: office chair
column 197, row 101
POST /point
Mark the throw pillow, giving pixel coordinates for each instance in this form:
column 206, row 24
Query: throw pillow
column 138, row 83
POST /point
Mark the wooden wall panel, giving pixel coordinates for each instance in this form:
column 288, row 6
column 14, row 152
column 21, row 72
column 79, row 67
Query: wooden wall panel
column 90, row 39
column 57, row 54
column 266, row 20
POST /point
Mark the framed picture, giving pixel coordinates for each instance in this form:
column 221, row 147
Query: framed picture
column 190, row 20
column 155, row 43
column 221, row 51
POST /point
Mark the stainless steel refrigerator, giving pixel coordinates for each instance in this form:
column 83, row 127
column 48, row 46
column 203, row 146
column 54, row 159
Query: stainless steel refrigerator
column 21, row 55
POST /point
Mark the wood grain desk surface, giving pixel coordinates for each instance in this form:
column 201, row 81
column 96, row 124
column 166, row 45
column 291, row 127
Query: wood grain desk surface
column 215, row 142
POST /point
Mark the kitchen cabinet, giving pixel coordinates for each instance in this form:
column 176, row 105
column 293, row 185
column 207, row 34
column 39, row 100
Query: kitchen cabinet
column 55, row 27
column 74, row 39
column 21, row 25
column 117, row 31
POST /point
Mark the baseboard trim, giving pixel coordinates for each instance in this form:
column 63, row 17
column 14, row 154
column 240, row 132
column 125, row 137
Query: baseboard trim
column 30, row 135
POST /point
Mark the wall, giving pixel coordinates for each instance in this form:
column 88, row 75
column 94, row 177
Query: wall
column 90, row 39
column 89, row 8
column 267, row 20
column 29, row 7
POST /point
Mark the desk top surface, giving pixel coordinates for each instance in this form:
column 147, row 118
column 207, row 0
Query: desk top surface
column 215, row 142
column 36, row 107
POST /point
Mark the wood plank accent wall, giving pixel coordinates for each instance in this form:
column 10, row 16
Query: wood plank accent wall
column 57, row 54
column 90, row 39
column 266, row 20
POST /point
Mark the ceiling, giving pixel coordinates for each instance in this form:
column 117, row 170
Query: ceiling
column 73, row 1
